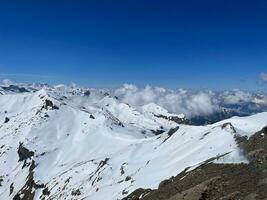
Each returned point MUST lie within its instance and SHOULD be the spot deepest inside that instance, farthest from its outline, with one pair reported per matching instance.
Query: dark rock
(230, 125)
(49, 104)
(124, 192)
(11, 189)
(204, 135)
(175, 119)
(128, 178)
(46, 192)
(24, 153)
(173, 130)
(122, 170)
(158, 131)
(76, 192)
(92, 116)
(143, 131)
(27, 192)
(6, 120)
(87, 93)
(103, 163)
(1, 180)
(115, 120)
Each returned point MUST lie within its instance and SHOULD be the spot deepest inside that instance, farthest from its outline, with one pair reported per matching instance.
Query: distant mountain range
(69, 142)
(225, 104)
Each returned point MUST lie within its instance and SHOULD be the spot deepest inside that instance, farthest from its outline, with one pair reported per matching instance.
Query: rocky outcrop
(49, 104)
(174, 118)
(24, 153)
(27, 192)
(6, 120)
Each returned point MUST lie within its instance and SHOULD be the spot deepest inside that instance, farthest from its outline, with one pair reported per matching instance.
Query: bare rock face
(6, 120)
(87, 93)
(27, 192)
(175, 119)
(49, 104)
(173, 130)
(24, 153)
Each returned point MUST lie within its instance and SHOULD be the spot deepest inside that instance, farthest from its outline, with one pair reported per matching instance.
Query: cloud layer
(191, 103)
(263, 77)
(180, 101)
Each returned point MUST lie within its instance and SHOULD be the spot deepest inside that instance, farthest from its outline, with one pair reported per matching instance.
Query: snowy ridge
(63, 144)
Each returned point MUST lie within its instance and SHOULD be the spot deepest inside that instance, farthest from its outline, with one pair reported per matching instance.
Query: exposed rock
(175, 119)
(122, 170)
(106, 94)
(11, 189)
(114, 120)
(24, 153)
(173, 130)
(128, 178)
(87, 93)
(230, 126)
(124, 192)
(92, 116)
(1, 180)
(158, 131)
(76, 192)
(204, 135)
(49, 104)
(27, 192)
(46, 192)
(103, 163)
(6, 120)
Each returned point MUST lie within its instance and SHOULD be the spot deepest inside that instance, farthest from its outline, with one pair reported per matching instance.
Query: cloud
(180, 101)
(192, 103)
(236, 96)
(7, 82)
(263, 77)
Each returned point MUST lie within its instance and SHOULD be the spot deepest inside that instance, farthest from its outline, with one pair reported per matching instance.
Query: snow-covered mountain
(75, 143)
(200, 107)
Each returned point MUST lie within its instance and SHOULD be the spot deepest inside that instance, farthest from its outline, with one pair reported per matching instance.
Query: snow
(95, 155)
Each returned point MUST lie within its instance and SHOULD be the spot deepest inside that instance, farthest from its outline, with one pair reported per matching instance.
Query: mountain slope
(63, 145)
(218, 181)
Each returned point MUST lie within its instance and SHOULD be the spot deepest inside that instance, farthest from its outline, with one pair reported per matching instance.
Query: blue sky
(193, 44)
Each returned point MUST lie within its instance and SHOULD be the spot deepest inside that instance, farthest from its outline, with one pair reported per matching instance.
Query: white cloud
(180, 101)
(263, 77)
(236, 96)
(7, 82)
(188, 102)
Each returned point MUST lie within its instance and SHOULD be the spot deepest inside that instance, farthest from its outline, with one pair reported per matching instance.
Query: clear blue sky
(193, 44)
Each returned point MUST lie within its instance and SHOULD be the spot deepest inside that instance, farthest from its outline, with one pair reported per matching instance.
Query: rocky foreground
(218, 181)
